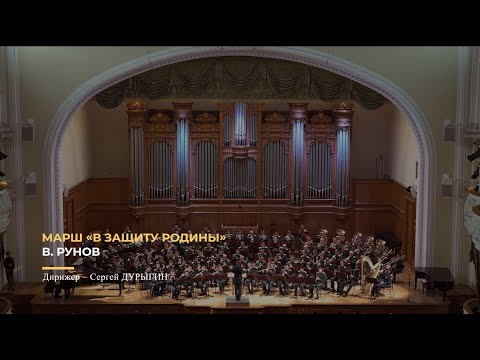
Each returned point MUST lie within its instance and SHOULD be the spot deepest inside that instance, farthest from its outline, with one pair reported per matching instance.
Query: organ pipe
(343, 114)
(239, 178)
(319, 170)
(137, 112)
(161, 176)
(205, 179)
(274, 174)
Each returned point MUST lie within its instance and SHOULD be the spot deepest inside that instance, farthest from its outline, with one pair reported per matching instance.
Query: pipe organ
(238, 159)
(206, 167)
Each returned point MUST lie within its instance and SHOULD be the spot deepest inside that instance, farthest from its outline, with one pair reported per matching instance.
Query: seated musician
(397, 266)
(322, 236)
(320, 282)
(276, 237)
(228, 235)
(212, 261)
(209, 249)
(224, 247)
(239, 236)
(267, 284)
(189, 274)
(261, 262)
(283, 254)
(289, 236)
(242, 246)
(204, 284)
(302, 274)
(351, 259)
(172, 285)
(176, 230)
(261, 252)
(251, 283)
(291, 261)
(251, 237)
(263, 246)
(350, 282)
(303, 230)
(200, 257)
(263, 237)
(225, 260)
(304, 258)
(189, 251)
(283, 285)
(219, 280)
(384, 280)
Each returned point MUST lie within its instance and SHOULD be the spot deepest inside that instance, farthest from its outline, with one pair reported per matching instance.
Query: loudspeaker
(30, 184)
(447, 186)
(28, 131)
(449, 131)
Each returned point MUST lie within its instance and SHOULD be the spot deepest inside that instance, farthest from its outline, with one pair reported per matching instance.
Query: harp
(368, 274)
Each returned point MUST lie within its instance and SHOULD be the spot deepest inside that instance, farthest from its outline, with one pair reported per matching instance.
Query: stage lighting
(3, 156)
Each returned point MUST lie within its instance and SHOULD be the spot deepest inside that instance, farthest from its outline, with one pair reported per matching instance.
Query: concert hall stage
(97, 299)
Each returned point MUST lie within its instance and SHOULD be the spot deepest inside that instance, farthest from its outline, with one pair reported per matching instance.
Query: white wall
(369, 140)
(402, 149)
(76, 150)
(110, 138)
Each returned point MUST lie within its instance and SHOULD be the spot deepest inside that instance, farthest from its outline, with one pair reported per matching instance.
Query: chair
(389, 287)
(49, 290)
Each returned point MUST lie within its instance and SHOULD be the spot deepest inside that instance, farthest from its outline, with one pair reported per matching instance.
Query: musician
(204, 283)
(176, 230)
(237, 280)
(225, 260)
(384, 280)
(397, 266)
(302, 274)
(262, 237)
(320, 282)
(239, 236)
(303, 233)
(224, 247)
(200, 257)
(189, 274)
(339, 273)
(219, 279)
(118, 269)
(289, 236)
(276, 237)
(267, 284)
(172, 286)
(261, 263)
(283, 284)
(242, 246)
(251, 283)
(209, 249)
(350, 282)
(228, 235)
(251, 237)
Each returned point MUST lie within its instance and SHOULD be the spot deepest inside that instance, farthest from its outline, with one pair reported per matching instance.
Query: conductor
(237, 280)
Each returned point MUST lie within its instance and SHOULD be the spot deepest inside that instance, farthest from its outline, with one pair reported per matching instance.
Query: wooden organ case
(239, 167)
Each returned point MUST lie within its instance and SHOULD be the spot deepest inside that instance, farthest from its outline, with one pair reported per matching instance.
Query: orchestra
(273, 263)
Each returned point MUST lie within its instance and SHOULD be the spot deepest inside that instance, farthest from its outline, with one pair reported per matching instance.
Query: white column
(467, 129)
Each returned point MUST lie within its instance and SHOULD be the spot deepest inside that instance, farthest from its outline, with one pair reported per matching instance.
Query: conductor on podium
(237, 280)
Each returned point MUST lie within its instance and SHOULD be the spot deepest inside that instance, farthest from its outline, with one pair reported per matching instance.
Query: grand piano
(438, 278)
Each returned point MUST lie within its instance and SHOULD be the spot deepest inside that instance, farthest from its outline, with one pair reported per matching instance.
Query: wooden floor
(105, 299)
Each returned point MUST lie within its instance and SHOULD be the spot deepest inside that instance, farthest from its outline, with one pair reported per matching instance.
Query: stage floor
(99, 299)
